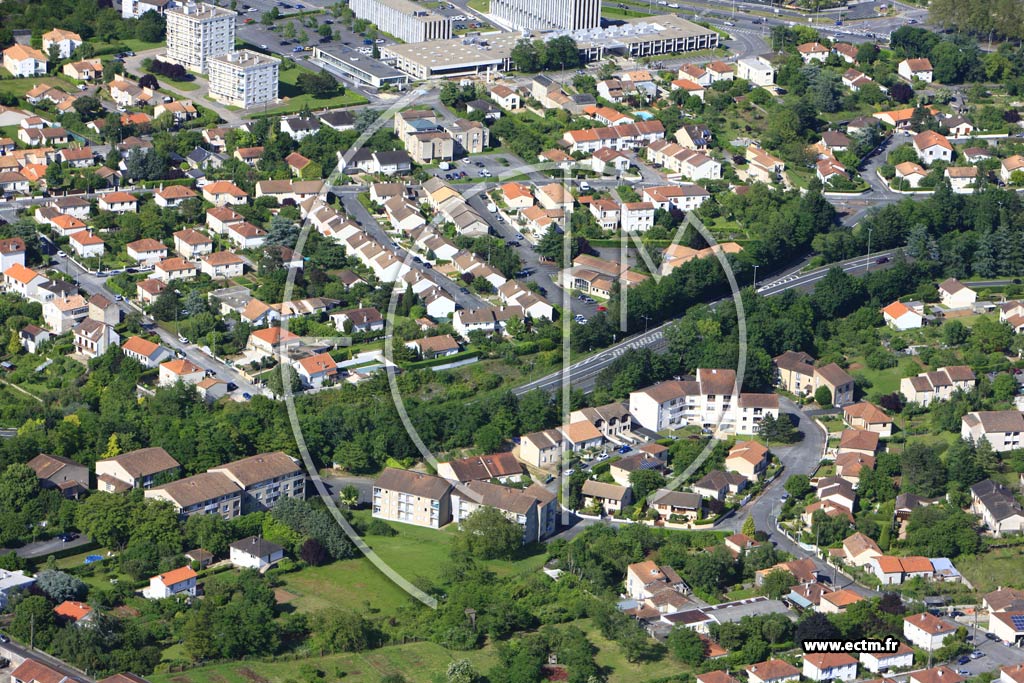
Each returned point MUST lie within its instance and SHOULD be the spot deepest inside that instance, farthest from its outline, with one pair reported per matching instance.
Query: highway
(583, 373)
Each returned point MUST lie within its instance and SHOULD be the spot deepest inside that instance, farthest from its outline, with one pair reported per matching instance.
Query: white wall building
(570, 15)
(244, 78)
(408, 21)
(197, 32)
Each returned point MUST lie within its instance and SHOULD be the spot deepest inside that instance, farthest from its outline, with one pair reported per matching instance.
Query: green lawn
(610, 655)
(483, 6)
(19, 86)
(416, 661)
(997, 567)
(415, 553)
(296, 100)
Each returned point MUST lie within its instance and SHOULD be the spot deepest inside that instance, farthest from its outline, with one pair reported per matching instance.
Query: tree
(525, 56)
(33, 619)
(281, 377)
(798, 486)
(462, 671)
(487, 534)
(318, 85)
(954, 333)
(686, 646)
(777, 583)
(150, 27)
(645, 482)
(349, 496)
(815, 626)
(823, 396)
(749, 527)
(312, 553)
(60, 586)
(18, 487)
(107, 517)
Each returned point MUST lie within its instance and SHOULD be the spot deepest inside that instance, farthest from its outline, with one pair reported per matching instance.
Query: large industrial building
(405, 20)
(547, 15)
(244, 78)
(646, 37)
(198, 31)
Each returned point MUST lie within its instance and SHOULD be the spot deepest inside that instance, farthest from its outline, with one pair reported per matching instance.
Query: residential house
(173, 195)
(300, 127)
(273, 341)
(62, 313)
(646, 579)
(997, 507)
(316, 370)
(519, 507)
(245, 235)
(865, 415)
(901, 317)
(66, 42)
(146, 251)
(265, 479)
(256, 553)
(622, 469)
(961, 178)
(86, 244)
(836, 602)
(541, 449)
(22, 61)
(222, 264)
(1008, 627)
(429, 348)
(677, 505)
(1001, 428)
(148, 354)
(939, 385)
(858, 550)
(955, 294)
(884, 662)
(207, 493)
(716, 485)
(829, 666)
(812, 52)
(92, 338)
(748, 458)
(762, 166)
(505, 97)
(772, 671)
(149, 289)
(32, 338)
(909, 174)
(180, 370)
(223, 192)
(358, 320)
(175, 268)
(412, 498)
(757, 70)
(926, 631)
(34, 671)
(12, 582)
(118, 202)
(919, 68)
(609, 498)
(829, 169)
(931, 146)
(1009, 166)
(181, 581)
(63, 474)
(75, 612)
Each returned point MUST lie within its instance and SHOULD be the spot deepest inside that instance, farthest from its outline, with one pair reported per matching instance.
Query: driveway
(46, 548)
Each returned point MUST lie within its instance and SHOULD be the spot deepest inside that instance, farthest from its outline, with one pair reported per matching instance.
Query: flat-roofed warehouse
(358, 67)
(644, 37)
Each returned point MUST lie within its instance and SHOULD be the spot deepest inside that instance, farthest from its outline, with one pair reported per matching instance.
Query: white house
(23, 61)
(222, 264)
(180, 370)
(637, 216)
(828, 666)
(255, 553)
(145, 352)
(955, 294)
(931, 146)
(86, 244)
(902, 317)
(926, 631)
(66, 42)
(181, 581)
(147, 251)
(919, 68)
(882, 662)
(756, 70)
(1001, 428)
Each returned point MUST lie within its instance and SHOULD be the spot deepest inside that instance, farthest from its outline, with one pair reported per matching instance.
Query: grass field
(997, 567)
(415, 553)
(483, 6)
(297, 100)
(19, 86)
(416, 661)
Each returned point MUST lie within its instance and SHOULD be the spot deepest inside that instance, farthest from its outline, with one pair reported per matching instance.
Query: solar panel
(1018, 621)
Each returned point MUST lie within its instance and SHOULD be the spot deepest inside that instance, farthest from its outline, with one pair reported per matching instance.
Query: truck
(444, 166)
(492, 207)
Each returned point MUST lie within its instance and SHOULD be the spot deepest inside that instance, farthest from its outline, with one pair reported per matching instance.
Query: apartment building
(244, 78)
(711, 401)
(1001, 428)
(265, 479)
(196, 32)
(516, 505)
(938, 385)
(412, 498)
(208, 493)
(562, 15)
(408, 21)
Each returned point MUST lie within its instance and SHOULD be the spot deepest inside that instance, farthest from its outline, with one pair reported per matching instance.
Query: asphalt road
(46, 548)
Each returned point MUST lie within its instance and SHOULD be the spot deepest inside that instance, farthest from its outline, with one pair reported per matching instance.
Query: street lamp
(755, 277)
(647, 320)
(867, 266)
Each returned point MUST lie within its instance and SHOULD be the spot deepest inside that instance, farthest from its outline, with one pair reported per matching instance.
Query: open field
(416, 661)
